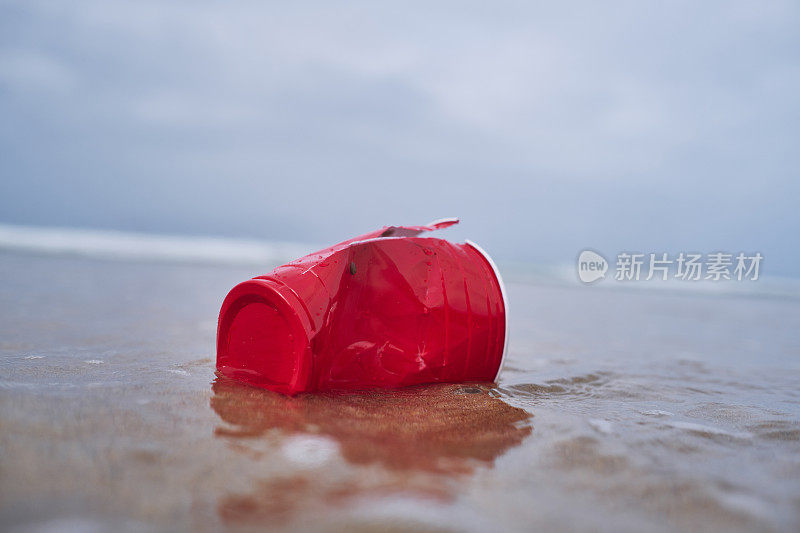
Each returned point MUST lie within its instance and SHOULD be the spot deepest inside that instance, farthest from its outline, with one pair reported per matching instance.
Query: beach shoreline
(617, 410)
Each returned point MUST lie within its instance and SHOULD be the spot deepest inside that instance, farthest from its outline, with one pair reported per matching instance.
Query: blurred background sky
(547, 127)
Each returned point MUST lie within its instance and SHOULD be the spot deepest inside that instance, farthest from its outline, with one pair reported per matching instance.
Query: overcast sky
(663, 127)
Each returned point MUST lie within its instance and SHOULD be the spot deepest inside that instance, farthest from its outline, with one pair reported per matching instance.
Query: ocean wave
(122, 245)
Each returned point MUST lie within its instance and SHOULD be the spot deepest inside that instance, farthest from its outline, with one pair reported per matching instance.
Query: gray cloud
(546, 128)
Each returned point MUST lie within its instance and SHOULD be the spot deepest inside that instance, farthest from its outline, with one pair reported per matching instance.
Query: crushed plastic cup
(384, 310)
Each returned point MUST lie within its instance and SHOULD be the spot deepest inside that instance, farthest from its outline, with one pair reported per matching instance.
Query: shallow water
(617, 410)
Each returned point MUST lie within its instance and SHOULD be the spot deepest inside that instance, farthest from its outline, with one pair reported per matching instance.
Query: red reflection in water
(423, 438)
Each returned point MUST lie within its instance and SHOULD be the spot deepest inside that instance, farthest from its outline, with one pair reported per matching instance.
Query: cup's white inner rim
(505, 302)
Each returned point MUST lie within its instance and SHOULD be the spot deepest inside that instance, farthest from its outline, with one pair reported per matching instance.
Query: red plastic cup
(384, 310)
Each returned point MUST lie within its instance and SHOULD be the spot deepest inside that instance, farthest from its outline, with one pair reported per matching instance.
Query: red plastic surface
(384, 310)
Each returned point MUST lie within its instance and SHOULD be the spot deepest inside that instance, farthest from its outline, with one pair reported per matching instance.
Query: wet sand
(618, 410)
